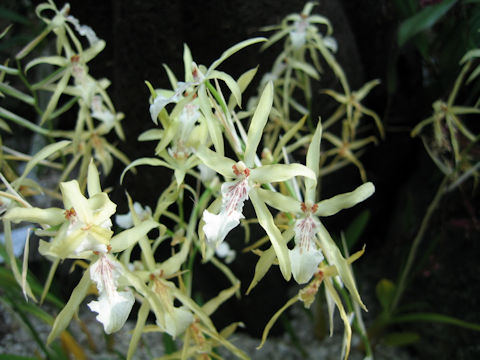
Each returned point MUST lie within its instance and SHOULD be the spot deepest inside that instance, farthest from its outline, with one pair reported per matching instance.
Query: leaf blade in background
(423, 20)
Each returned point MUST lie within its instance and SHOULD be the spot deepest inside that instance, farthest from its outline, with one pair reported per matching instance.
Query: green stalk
(190, 233)
(416, 242)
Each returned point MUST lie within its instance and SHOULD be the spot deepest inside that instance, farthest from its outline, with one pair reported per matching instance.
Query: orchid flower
(197, 79)
(83, 30)
(112, 306)
(126, 220)
(174, 320)
(83, 225)
(246, 181)
(300, 28)
(307, 255)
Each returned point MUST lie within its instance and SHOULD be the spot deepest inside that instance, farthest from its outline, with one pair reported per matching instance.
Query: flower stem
(416, 242)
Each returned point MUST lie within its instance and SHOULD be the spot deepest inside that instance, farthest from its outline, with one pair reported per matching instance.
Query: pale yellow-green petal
(50, 60)
(65, 316)
(55, 97)
(243, 81)
(274, 318)
(213, 124)
(231, 83)
(215, 161)
(279, 201)
(266, 221)
(187, 63)
(101, 208)
(39, 156)
(335, 257)
(51, 216)
(313, 163)
(72, 197)
(264, 263)
(259, 119)
(280, 172)
(305, 67)
(93, 180)
(337, 203)
(144, 161)
(93, 51)
(232, 50)
(287, 137)
(139, 326)
(346, 323)
(212, 305)
(174, 263)
(128, 238)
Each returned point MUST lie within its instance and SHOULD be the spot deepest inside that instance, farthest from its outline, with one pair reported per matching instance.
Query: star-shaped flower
(248, 175)
(309, 232)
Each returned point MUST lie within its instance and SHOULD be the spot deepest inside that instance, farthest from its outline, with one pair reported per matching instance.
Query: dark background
(142, 35)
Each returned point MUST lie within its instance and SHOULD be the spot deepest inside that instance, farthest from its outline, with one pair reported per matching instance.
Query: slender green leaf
(401, 338)
(433, 317)
(423, 20)
(385, 291)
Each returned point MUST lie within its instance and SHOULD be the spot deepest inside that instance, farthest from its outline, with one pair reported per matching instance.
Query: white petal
(304, 263)
(218, 226)
(206, 174)
(298, 39)
(89, 243)
(113, 307)
(84, 30)
(161, 101)
(157, 106)
(125, 221)
(189, 115)
(223, 250)
(113, 311)
(298, 35)
(331, 43)
(178, 322)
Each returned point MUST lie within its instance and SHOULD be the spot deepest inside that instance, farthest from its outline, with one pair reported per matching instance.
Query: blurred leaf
(168, 344)
(423, 20)
(9, 90)
(385, 290)
(406, 7)
(401, 338)
(4, 32)
(356, 228)
(13, 16)
(433, 317)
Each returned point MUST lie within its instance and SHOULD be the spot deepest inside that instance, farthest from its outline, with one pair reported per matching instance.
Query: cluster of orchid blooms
(195, 122)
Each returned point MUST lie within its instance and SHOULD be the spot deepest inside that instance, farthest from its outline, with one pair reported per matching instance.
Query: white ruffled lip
(112, 306)
(218, 226)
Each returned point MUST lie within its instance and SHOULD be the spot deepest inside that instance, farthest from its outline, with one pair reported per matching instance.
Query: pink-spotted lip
(305, 230)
